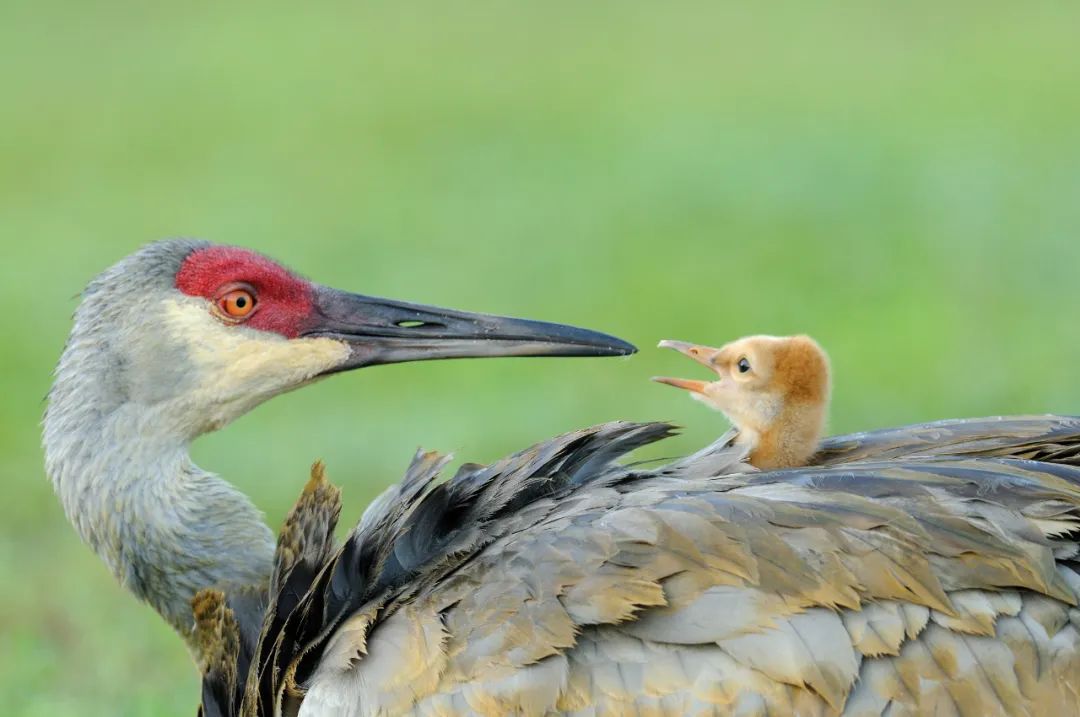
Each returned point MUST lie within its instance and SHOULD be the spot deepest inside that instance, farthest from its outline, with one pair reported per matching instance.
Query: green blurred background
(902, 181)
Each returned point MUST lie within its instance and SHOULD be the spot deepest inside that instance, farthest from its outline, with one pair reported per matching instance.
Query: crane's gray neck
(165, 528)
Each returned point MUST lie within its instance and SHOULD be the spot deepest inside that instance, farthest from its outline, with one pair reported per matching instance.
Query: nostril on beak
(416, 324)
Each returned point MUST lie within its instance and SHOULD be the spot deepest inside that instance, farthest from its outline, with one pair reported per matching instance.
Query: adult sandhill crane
(922, 570)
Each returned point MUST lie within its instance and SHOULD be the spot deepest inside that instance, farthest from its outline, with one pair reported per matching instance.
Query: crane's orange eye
(237, 304)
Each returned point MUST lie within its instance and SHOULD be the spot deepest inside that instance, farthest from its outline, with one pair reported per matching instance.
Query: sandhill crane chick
(773, 389)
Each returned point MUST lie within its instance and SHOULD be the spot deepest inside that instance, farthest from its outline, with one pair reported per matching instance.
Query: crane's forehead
(206, 270)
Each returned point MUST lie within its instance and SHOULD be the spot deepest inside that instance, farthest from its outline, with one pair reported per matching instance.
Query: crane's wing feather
(1046, 438)
(420, 530)
(903, 576)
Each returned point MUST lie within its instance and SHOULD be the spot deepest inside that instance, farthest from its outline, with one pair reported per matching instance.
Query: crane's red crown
(284, 301)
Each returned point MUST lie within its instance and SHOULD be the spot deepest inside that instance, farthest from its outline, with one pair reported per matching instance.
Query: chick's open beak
(704, 355)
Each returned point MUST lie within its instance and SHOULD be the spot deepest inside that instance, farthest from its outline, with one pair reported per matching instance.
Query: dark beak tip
(593, 349)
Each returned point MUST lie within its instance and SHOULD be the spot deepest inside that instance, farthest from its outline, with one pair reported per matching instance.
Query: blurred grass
(901, 181)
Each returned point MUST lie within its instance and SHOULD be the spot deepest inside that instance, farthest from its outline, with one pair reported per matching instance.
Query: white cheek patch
(240, 366)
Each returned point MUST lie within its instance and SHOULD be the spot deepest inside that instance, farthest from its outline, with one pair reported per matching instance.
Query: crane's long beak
(382, 331)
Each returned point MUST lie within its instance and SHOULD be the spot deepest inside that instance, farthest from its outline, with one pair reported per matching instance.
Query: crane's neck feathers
(165, 528)
(122, 412)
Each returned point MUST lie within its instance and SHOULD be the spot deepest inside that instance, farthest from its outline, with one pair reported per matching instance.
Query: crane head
(757, 377)
(215, 330)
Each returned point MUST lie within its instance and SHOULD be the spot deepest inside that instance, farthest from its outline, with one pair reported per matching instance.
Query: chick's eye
(743, 365)
(237, 304)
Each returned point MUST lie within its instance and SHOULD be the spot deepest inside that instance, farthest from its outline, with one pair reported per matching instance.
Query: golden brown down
(930, 583)
(773, 389)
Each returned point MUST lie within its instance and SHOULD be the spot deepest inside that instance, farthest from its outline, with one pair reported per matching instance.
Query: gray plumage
(923, 570)
(919, 584)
